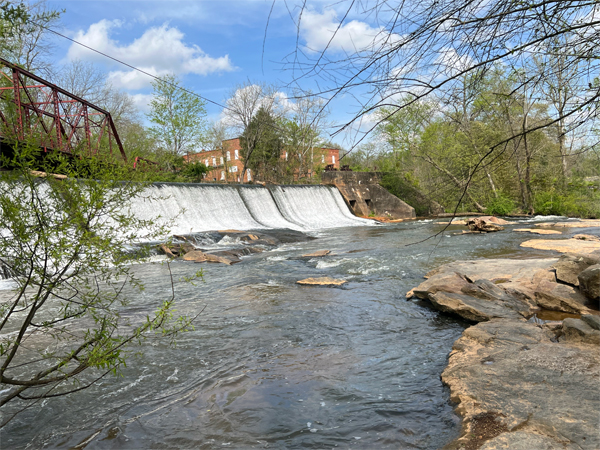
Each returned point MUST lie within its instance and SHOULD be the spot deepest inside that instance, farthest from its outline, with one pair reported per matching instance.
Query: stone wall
(365, 196)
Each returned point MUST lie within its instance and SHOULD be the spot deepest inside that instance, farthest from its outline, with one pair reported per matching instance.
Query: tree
(267, 145)
(24, 35)
(67, 323)
(243, 104)
(178, 117)
(422, 50)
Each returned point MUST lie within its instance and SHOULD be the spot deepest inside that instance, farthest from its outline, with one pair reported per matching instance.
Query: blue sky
(211, 45)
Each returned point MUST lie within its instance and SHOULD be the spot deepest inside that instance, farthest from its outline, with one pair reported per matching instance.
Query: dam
(192, 208)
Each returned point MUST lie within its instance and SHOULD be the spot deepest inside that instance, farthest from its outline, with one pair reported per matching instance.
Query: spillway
(193, 208)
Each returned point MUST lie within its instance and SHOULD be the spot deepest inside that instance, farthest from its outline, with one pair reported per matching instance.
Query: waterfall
(315, 207)
(203, 207)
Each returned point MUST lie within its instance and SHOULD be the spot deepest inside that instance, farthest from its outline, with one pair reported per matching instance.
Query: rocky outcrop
(519, 385)
(483, 290)
(578, 246)
(366, 197)
(589, 281)
(569, 266)
(584, 223)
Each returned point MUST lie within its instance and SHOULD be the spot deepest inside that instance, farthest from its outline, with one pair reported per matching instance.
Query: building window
(206, 162)
(214, 162)
(228, 156)
(286, 156)
(237, 154)
(233, 169)
(221, 160)
(249, 175)
(222, 174)
(332, 159)
(323, 159)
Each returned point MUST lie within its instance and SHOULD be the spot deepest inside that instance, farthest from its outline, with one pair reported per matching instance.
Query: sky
(212, 46)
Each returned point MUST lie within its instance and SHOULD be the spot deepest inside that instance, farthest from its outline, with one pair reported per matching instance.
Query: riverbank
(525, 375)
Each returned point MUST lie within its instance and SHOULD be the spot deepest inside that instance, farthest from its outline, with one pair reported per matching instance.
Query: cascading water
(315, 207)
(197, 208)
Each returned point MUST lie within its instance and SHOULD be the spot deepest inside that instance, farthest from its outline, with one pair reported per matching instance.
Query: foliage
(267, 145)
(178, 117)
(195, 171)
(501, 205)
(67, 323)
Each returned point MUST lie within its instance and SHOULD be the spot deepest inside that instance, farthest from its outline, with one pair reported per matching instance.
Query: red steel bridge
(35, 110)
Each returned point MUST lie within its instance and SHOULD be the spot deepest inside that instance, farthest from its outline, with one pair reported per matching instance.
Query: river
(272, 364)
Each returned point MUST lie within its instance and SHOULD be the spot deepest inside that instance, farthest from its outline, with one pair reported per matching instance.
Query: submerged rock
(534, 231)
(533, 391)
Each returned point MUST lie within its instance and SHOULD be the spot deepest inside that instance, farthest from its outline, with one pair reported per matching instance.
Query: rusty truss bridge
(34, 110)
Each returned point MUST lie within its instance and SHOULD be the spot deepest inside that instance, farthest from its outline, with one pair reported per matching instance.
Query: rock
(321, 281)
(499, 288)
(569, 266)
(496, 220)
(571, 224)
(470, 308)
(577, 330)
(195, 255)
(520, 440)
(483, 224)
(564, 245)
(317, 254)
(592, 320)
(224, 257)
(589, 282)
(167, 251)
(586, 237)
(531, 230)
(539, 393)
(560, 297)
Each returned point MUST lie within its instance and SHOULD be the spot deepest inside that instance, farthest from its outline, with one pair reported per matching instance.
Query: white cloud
(142, 101)
(318, 29)
(452, 63)
(159, 50)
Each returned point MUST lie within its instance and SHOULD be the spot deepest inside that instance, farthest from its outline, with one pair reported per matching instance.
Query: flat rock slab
(571, 224)
(321, 281)
(499, 288)
(317, 254)
(534, 231)
(564, 245)
(540, 393)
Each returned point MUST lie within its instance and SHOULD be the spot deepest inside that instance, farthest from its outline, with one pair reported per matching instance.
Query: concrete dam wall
(204, 207)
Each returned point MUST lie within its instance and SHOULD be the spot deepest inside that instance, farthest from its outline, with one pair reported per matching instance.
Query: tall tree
(267, 145)
(177, 117)
(24, 36)
(243, 104)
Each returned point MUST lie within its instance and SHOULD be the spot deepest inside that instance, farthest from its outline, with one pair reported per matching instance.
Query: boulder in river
(317, 254)
(519, 387)
(195, 255)
(321, 281)
(483, 224)
(589, 281)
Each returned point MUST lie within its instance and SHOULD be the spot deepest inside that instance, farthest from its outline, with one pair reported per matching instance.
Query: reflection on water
(278, 365)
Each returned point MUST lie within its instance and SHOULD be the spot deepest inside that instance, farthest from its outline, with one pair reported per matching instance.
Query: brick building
(227, 164)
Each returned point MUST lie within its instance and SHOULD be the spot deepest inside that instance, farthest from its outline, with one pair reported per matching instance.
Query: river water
(272, 364)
